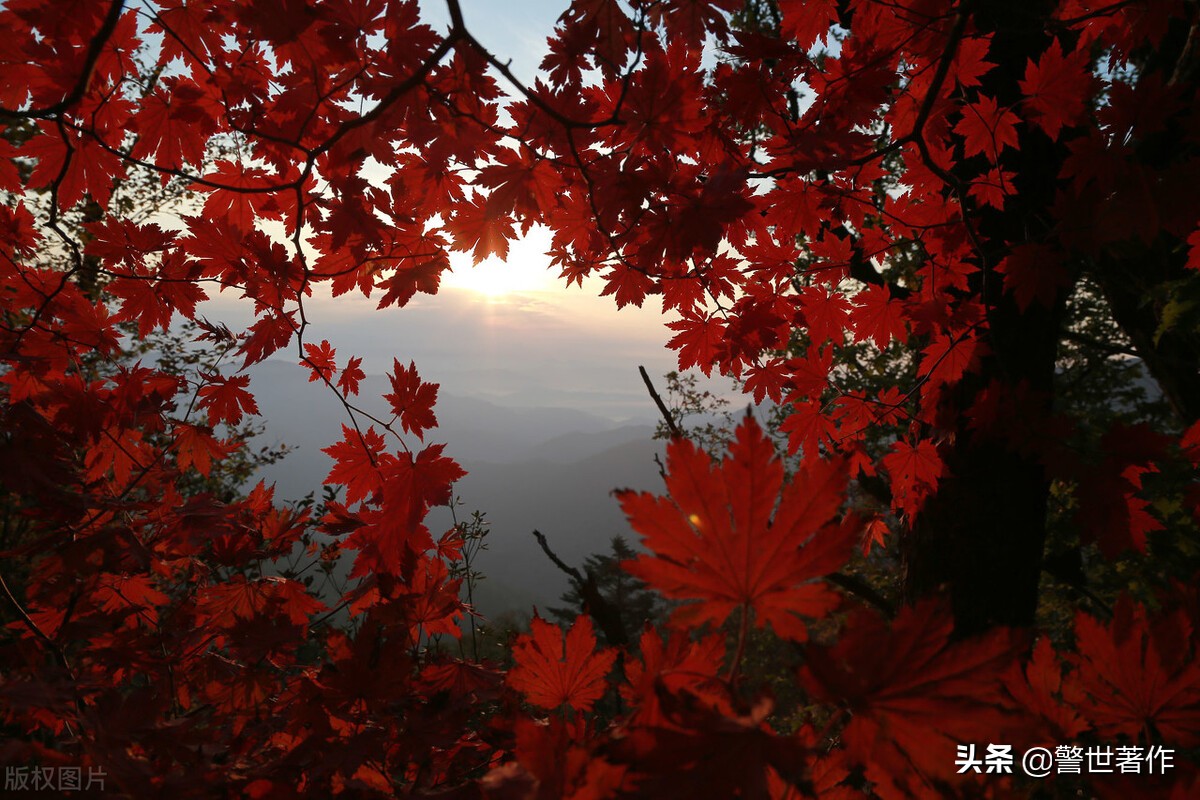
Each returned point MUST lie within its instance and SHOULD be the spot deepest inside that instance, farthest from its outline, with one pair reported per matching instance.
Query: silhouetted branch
(606, 615)
(662, 407)
(859, 587)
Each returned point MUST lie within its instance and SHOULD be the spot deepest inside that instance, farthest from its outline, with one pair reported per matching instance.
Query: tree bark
(980, 538)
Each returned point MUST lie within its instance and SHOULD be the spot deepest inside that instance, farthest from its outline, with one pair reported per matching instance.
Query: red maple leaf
(806, 21)
(1039, 690)
(877, 317)
(1057, 89)
(226, 398)
(319, 358)
(477, 228)
(357, 459)
(552, 671)
(412, 400)
(699, 340)
(676, 664)
(991, 188)
(196, 446)
(987, 129)
(908, 711)
(1033, 273)
(191, 30)
(242, 196)
(915, 470)
(1140, 675)
(825, 315)
(732, 535)
(1193, 259)
(351, 376)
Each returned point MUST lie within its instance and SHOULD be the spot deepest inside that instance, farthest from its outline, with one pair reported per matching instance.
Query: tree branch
(606, 615)
(85, 76)
(662, 407)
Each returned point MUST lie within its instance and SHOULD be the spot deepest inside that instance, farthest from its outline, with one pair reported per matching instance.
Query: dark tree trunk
(980, 538)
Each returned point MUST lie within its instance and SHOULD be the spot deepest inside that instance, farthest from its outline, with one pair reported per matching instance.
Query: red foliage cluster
(906, 198)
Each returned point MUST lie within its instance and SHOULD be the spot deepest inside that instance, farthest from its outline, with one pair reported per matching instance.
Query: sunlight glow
(527, 269)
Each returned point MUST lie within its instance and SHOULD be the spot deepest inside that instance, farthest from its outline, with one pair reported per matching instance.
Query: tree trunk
(981, 537)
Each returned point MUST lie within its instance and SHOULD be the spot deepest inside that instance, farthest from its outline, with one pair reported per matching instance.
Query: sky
(507, 331)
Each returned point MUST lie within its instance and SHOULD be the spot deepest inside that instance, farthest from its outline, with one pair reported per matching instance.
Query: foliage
(632, 603)
(890, 235)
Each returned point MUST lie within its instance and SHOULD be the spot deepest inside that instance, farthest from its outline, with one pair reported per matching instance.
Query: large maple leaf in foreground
(913, 693)
(731, 535)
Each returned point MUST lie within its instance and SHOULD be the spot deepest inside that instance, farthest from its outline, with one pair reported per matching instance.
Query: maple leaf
(319, 358)
(699, 339)
(484, 231)
(1033, 273)
(1110, 512)
(556, 759)
(908, 712)
(915, 470)
(606, 31)
(992, 188)
(1189, 443)
(552, 670)
(357, 459)
(1193, 259)
(226, 398)
(272, 332)
(174, 125)
(1139, 674)
(874, 535)
(877, 317)
(73, 166)
(701, 751)
(191, 30)
(134, 597)
(1057, 88)
(825, 315)
(351, 376)
(807, 428)
(1039, 689)
(731, 535)
(242, 197)
(627, 286)
(987, 129)
(947, 358)
(675, 664)
(809, 376)
(806, 21)
(411, 399)
(197, 447)
(405, 487)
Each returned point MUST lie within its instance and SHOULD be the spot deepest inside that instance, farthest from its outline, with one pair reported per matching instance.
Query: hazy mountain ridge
(551, 469)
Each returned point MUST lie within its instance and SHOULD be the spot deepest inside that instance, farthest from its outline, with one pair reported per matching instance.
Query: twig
(858, 586)
(606, 615)
(662, 407)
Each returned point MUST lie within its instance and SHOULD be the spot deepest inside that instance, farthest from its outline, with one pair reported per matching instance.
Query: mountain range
(550, 468)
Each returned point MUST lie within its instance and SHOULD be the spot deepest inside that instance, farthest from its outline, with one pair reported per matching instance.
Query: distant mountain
(576, 445)
(571, 503)
(548, 468)
(308, 417)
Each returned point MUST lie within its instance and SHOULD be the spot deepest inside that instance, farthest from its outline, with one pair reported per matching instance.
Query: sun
(492, 279)
(527, 269)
